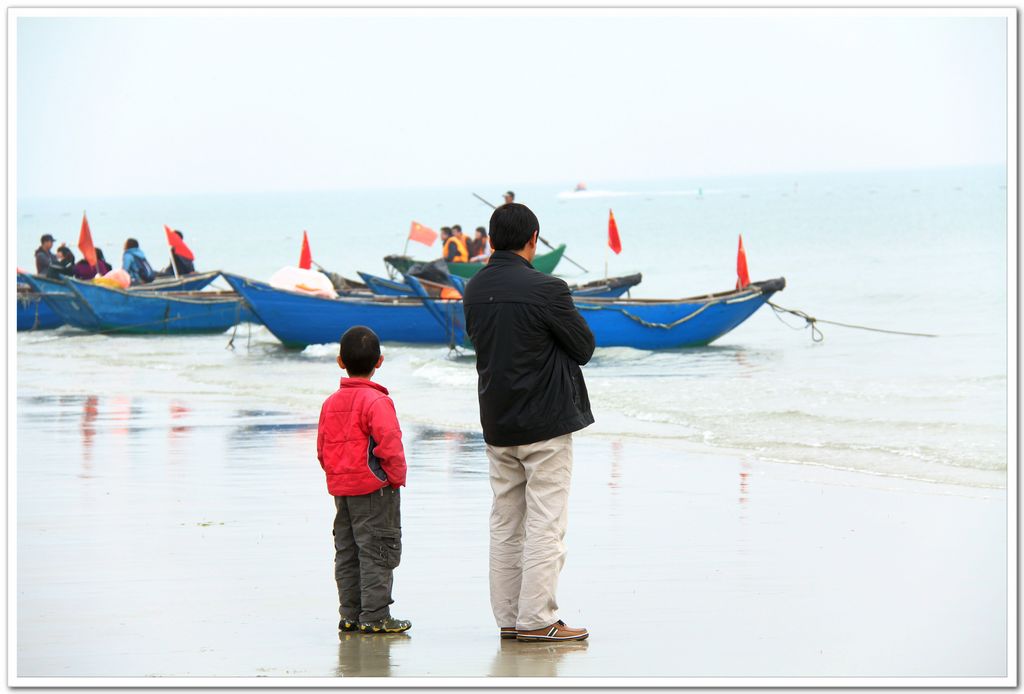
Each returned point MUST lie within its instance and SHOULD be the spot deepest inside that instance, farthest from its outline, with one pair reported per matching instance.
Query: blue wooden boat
(298, 319)
(106, 309)
(33, 312)
(74, 310)
(672, 323)
(604, 288)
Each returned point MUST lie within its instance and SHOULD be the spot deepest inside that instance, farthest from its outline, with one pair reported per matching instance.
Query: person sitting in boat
(454, 247)
(183, 265)
(85, 271)
(65, 265)
(135, 263)
(509, 197)
(44, 256)
(479, 248)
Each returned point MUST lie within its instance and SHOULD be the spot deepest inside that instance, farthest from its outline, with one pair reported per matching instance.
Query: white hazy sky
(168, 104)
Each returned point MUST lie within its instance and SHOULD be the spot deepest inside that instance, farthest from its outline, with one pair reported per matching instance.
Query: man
(44, 257)
(530, 343)
(509, 197)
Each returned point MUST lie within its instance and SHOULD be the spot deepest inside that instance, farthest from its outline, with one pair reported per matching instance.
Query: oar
(543, 240)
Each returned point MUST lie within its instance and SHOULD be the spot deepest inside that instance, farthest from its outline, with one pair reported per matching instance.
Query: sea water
(919, 251)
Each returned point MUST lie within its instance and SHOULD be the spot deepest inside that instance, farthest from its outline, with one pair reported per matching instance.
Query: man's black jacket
(530, 342)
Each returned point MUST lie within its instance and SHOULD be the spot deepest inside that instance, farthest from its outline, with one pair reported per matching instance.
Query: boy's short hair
(512, 225)
(131, 243)
(359, 350)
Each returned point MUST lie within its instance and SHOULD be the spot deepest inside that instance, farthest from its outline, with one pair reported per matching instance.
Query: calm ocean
(915, 251)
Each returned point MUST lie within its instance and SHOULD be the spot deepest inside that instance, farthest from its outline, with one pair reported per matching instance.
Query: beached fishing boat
(298, 319)
(609, 287)
(544, 262)
(74, 310)
(672, 323)
(95, 307)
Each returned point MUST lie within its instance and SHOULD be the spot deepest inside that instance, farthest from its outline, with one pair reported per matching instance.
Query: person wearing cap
(44, 257)
(509, 197)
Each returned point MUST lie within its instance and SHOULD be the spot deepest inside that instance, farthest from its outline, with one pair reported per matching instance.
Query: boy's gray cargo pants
(367, 548)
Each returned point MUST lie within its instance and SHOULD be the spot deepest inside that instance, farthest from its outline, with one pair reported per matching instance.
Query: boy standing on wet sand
(359, 444)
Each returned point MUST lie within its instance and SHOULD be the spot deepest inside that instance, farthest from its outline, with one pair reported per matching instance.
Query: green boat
(545, 262)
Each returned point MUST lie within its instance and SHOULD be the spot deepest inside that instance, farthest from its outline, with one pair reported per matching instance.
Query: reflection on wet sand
(462, 453)
(516, 659)
(368, 655)
(178, 412)
(90, 410)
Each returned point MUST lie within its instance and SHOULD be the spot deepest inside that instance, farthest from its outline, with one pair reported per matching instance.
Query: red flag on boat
(178, 244)
(422, 234)
(613, 234)
(743, 277)
(85, 242)
(305, 257)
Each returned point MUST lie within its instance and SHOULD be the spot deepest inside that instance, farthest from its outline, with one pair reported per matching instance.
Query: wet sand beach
(171, 524)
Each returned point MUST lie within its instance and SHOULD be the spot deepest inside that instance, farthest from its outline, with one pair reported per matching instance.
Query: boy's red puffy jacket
(359, 442)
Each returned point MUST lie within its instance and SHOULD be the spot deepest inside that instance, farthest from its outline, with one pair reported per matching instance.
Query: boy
(359, 444)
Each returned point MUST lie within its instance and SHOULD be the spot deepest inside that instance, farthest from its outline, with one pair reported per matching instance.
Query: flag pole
(174, 266)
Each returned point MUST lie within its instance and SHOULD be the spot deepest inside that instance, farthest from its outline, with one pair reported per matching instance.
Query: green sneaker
(348, 625)
(388, 625)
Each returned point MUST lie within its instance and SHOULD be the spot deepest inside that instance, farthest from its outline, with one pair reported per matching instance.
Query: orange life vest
(461, 253)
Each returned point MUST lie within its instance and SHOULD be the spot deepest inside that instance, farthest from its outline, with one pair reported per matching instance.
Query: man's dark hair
(482, 230)
(512, 225)
(131, 243)
(65, 252)
(44, 238)
(446, 232)
(456, 227)
(360, 350)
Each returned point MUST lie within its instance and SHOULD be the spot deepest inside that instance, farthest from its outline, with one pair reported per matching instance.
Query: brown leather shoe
(507, 632)
(556, 632)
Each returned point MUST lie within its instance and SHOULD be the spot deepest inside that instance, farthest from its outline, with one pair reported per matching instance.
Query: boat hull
(670, 325)
(163, 312)
(299, 319)
(36, 314)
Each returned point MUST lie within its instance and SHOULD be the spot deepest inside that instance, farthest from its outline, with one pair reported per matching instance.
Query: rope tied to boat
(647, 323)
(816, 334)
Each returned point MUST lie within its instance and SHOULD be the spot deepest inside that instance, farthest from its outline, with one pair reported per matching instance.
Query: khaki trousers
(528, 521)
